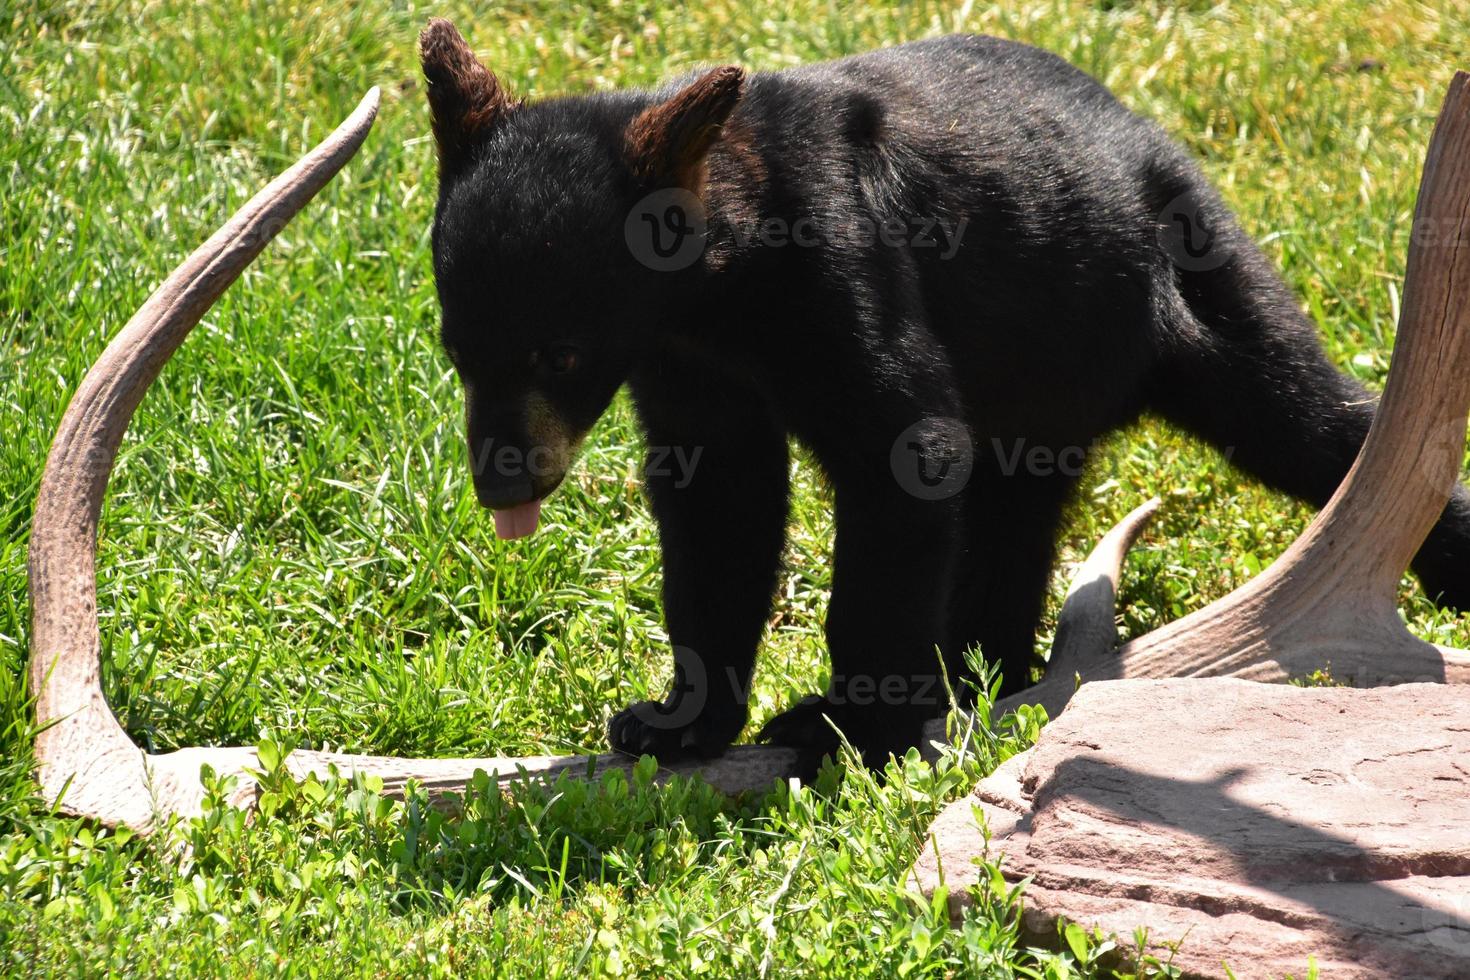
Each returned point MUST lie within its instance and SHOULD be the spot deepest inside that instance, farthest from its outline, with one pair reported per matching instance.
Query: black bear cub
(945, 268)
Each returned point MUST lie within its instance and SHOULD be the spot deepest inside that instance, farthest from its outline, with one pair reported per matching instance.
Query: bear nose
(499, 490)
(500, 474)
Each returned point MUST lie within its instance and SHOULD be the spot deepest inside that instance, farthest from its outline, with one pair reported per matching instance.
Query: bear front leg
(893, 560)
(718, 486)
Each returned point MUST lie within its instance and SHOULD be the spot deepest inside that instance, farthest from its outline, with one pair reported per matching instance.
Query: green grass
(290, 553)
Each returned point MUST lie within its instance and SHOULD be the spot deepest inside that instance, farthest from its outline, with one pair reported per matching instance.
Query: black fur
(1065, 312)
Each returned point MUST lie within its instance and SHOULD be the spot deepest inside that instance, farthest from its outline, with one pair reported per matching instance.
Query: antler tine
(1087, 625)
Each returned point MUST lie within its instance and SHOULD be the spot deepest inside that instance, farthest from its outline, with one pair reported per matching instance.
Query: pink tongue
(517, 521)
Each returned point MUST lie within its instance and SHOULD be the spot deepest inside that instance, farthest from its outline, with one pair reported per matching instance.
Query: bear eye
(562, 360)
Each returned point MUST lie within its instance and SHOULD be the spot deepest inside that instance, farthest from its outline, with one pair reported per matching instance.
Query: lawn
(291, 553)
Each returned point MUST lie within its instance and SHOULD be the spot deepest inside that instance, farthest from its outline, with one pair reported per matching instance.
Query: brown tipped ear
(668, 142)
(465, 99)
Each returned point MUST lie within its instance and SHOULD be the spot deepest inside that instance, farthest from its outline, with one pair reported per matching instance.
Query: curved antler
(83, 756)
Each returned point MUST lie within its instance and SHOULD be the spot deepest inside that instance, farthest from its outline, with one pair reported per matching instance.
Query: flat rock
(1255, 825)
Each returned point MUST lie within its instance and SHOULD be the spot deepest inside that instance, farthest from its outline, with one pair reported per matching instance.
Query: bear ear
(465, 99)
(667, 143)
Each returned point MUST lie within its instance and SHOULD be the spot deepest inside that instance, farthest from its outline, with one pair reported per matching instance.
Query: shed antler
(83, 756)
(1330, 599)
